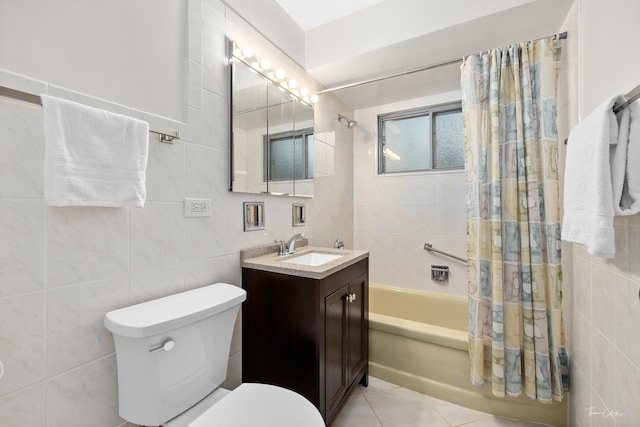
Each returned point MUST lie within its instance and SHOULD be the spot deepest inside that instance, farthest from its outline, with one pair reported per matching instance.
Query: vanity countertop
(266, 258)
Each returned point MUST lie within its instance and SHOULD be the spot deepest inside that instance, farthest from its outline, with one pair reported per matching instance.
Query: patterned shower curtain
(516, 338)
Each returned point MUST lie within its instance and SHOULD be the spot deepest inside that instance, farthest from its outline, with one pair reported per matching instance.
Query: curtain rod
(35, 99)
(560, 36)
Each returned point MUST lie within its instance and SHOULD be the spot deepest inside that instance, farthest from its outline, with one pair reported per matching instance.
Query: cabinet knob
(350, 297)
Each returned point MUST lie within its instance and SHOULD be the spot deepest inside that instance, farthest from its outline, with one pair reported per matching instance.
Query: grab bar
(429, 248)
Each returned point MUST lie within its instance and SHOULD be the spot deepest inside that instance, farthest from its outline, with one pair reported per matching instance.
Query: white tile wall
(395, 215)
(75, 329)
(25, 407)
(62, 269)
(85, 244)
(24, 245)
(22, 132)
(601, 297)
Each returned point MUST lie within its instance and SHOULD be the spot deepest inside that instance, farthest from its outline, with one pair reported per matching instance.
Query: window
(288, 156)
(421, 139)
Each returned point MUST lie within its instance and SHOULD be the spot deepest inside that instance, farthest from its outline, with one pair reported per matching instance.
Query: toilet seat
(253, 404)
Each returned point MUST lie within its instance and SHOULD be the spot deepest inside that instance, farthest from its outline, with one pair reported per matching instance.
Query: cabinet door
(335, 347)
(357, 333)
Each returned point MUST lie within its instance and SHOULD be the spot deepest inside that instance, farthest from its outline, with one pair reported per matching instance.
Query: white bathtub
(419, 340)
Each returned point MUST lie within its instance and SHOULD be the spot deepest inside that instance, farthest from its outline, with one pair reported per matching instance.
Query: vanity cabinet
(308, 335)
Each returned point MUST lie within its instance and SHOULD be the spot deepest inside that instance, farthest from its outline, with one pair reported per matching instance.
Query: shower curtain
(516, 336)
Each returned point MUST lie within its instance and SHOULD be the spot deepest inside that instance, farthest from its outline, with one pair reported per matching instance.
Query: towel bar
(631, 97)
(35, 99)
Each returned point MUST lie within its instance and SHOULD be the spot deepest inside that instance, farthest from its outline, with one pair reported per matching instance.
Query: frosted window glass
(282, 160)
(287, 158)
(406, 146)
(448, 140)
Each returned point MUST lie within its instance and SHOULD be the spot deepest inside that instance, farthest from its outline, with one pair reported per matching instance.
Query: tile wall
(600, 297)
(62, 269)
(396, 214)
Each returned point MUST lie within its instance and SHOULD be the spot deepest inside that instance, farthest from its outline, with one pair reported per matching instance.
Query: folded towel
(588, 196)
(625, 164)
(93, 157)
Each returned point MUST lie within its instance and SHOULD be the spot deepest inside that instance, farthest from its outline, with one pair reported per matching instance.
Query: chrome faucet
(291, 245)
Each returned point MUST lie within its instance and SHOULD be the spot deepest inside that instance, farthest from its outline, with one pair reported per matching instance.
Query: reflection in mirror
(298, 215)
(272, 138)
(279, 155)
(249, 112)
(253, 216)
(303, 149)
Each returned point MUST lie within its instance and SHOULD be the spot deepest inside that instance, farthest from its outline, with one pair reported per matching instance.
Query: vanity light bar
(246, 55)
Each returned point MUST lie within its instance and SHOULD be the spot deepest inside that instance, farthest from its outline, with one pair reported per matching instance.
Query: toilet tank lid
(171, 312)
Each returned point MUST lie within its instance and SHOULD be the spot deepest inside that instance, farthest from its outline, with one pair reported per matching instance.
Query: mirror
(272, 137)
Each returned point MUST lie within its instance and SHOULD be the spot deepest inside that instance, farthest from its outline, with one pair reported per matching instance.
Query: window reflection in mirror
(272, 138)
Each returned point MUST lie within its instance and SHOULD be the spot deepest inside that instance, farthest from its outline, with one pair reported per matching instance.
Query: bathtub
(419, 340)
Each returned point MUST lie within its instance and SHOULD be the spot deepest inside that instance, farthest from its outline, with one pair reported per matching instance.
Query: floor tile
(376, 385)
(455, 415)
(357, 412)
(383, 404)
(401, 407)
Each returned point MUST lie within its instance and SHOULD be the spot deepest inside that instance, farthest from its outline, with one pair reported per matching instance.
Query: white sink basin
(313, 259)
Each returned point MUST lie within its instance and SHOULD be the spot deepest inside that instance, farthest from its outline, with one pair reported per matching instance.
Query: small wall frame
(298, 214)
(253, 216)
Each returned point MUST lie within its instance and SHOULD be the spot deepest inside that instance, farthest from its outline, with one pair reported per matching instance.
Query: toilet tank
(156, 383)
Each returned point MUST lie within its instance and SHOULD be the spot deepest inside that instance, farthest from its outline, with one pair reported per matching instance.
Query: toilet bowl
(252, 405)
(172, 355)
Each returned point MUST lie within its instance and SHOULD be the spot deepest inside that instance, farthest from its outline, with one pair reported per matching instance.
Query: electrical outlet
(197, 207)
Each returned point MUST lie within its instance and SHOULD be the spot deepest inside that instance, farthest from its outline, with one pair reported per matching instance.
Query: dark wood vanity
(306, 334)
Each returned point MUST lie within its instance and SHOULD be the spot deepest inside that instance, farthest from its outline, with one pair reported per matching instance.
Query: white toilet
(172, 356)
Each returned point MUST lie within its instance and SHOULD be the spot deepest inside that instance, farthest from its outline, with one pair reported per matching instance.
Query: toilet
(172, 356)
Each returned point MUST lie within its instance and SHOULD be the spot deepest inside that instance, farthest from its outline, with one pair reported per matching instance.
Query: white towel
(93, 157)
(625, 164)
(588, 195)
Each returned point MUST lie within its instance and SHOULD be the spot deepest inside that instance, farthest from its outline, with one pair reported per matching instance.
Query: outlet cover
(197, 207)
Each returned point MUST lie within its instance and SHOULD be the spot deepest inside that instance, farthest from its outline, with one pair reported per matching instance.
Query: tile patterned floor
(383, 404)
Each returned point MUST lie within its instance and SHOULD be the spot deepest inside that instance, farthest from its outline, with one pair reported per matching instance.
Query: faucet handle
(282, 250)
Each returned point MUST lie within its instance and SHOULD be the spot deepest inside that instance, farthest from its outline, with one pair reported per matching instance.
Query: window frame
(267, 158)
(431, 112)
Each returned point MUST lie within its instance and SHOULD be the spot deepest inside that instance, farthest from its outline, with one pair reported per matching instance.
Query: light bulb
(255, 65)
(265, 64)
(306, 99)
(247, 51)
(296, 92)
(293, 83)
(270, 75)
(304, 91)
(280, 74)
(284, 85)
(237, 52)
(314, 98)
